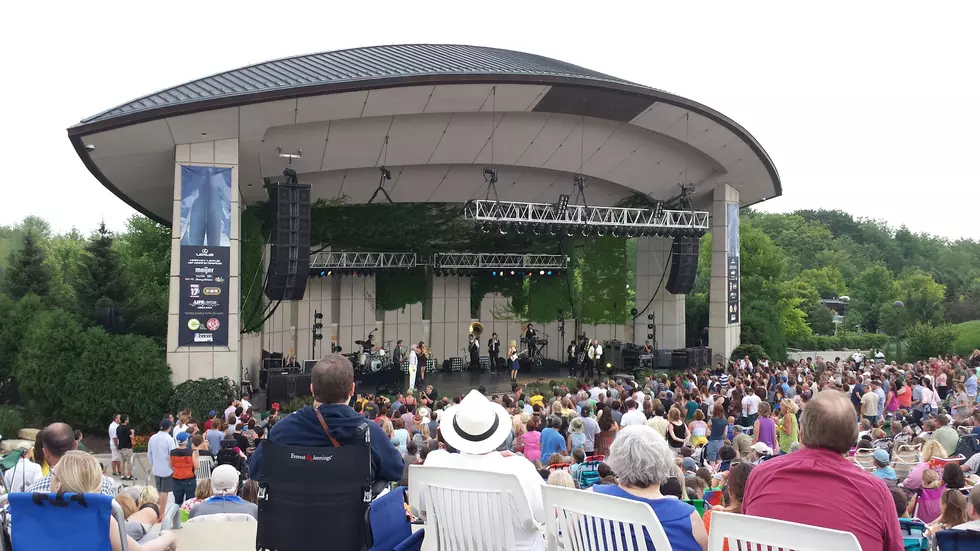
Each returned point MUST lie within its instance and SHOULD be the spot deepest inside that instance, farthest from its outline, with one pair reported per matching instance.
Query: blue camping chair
(390, 527)
(957, 540)
(81, 521)
(912, 530)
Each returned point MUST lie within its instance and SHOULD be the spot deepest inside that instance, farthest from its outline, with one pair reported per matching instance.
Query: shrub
(296, 404)
(83, 377)
(203, 395)
(861, 341)
(11, 422)
(753, 351)
(924, 340)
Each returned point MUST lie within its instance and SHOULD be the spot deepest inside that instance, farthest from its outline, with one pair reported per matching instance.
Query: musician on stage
(571, 359)
(368, 344)
(647, 348)
(398, 354)
(493, 347)
(582, 355)
(474, 349)
(424, 355)
(531, 336)
(413, 366)
(595, 357)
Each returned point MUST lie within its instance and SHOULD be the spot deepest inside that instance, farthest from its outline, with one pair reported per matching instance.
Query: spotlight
(512, 272)
(542, 272)
(323, 274)
(650, 336)
(494, 274)
(520, 229)
(330, 273)
(608, 365)
(650, 316)
(502, 229)
(649, 326)
(633, 310)
(600, 231)
(549, 272)
(551, 230)
(536, 229)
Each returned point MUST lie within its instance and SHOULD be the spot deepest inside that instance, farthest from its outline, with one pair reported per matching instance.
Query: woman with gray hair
(642, 462)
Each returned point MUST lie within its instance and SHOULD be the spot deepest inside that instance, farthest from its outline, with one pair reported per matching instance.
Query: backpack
(968, 445)
(588, 475)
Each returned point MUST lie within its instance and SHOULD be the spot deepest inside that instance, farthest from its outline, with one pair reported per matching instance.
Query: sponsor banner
(204, 256)
(734, 293)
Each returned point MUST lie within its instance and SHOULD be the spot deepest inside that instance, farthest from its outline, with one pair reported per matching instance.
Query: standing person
(214, 436)
(531, 336)
(158, 455)
(764, 429)
(124, 437)
(632, 416)
(515, 366)
(398, 355)
(424, 354)
(413, 366)
(869, 406)
(716, 432)
(114, 447)
(750, 407)
(474, 349)
(493, 348)
(591, 430)
(789, 429)
(184, 462)
(827, 432)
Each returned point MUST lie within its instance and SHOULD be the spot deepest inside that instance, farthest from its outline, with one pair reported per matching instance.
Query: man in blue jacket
(333, 386)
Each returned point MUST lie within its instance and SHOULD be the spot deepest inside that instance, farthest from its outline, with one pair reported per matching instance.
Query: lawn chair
(560, 467)
(865, 458)
(902, 469)
(204, 466)
(908, 453)
(587, 521)
(912, 534)
(390, 527)
(957, 540)
(748, 532)
(82, 521)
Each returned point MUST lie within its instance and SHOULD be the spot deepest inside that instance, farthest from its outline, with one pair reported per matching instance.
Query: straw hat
(476, 425)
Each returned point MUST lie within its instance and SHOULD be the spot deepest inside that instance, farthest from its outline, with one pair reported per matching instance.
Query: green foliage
(923, 297)
(202, 396)
(101, 282)
(296, 404)
(850, 341)
(11, 421)
(545, 296)
(83, 376)
(873, 289)
(144, 255)
(547, 389)
(482, 284)
(605, 277)
(396, 289)
(753, 351)
(253, 239)
(968, 337)
(923, 340)
(26, 272)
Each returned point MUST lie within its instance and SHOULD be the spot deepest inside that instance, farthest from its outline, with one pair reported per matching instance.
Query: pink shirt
(532, 445)
(821, 488)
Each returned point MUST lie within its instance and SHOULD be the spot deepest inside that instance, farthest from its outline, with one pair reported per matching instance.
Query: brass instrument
(476, 329)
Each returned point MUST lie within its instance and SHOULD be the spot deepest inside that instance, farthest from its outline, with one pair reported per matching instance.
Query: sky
(868, 107)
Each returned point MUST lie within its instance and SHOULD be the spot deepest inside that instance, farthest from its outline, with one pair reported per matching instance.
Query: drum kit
(376, 360)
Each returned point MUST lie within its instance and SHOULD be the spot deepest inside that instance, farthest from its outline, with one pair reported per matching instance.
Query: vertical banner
(205, 251)
(733, 268)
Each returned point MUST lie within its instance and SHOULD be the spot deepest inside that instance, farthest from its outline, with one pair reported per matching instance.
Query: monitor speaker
(683, 265)
(289, 259)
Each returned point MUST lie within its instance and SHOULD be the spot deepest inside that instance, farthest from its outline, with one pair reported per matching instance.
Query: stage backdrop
(205, 239)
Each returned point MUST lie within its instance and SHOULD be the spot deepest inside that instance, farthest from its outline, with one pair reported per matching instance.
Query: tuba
(476, 329)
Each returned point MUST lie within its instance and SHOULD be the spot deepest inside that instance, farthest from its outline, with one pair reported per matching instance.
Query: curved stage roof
(435, 115)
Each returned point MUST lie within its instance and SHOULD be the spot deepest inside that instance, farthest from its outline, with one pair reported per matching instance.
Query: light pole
(898, 306)
(845, 300)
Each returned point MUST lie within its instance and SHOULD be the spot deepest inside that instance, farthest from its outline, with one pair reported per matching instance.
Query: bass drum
(376, 365)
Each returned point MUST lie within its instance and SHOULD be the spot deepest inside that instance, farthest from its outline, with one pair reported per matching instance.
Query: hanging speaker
(683, 265)
(289, 258)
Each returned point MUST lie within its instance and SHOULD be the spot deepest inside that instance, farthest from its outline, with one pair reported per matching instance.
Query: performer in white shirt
(413, 366)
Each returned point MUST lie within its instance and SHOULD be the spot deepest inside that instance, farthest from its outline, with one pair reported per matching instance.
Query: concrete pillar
(652, 258)
(194, 362)
(725, 308)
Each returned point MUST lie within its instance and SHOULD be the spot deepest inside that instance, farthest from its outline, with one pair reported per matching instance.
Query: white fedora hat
(475, 425)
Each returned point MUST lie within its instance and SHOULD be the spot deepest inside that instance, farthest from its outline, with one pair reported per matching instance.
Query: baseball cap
(182, 438)
(759, 447)
(881, 456)
(164, 424)
(212, 413)
(224, 479)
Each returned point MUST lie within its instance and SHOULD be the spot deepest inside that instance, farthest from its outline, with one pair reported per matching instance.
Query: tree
(923, 340)
(827, 281)
(101, 282)
(874, 288)
(923, 297)
(27, 273)
(144, 255)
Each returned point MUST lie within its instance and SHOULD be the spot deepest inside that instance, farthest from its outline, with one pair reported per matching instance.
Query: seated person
(476, 428)
(643, 461)
(883, 468)
(224, 485)
(202, 492)
(901, 502)
(332, 384)
(79, 472)
(973, 511)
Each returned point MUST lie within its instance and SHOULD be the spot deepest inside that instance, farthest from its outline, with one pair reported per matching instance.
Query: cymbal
(359, 343)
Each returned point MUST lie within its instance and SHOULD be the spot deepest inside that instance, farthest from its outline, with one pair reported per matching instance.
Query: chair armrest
(413, 542)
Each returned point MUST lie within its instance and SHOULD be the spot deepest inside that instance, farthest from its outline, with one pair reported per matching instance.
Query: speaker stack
(683, 265)
(285, 387)
(289, 260)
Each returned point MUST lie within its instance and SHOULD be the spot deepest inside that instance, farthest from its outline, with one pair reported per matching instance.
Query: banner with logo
(733, 267)
(205, 252)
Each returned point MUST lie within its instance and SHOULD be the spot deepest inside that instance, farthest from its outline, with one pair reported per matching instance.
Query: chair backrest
(902, 469)
(912, 537)
(747, 532)
(865, 458)
(204, 465)
(466, 509)
(210, 532)
(306, 492)
(587, 521)
(560, 467)
(957, 540)
(588, 474)
(389, 525)
(82, 521)
(171, 517)
(927, 504)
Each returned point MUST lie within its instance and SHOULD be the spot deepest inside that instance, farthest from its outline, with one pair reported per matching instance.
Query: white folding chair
(908, 453)
(204, 465)
(587, 521)
(466, 509)
(211, 532)
(757, 533)
(902, 468)
(865, 458)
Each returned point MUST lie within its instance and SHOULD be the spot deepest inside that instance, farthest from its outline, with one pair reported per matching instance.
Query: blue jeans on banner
(184, 489)
(711, 451)
(207, 213)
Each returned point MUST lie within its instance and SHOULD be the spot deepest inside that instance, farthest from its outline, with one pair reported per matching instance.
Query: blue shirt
(885, 473)
(302, 428)
(158, 453)
(971, 385)
(551, 443)
(674, 516)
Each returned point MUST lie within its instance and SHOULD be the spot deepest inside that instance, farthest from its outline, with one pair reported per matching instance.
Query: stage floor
(458, 382)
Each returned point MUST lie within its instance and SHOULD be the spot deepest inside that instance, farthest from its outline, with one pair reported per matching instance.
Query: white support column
(205, 361)
(450, 319)
(652, 266)
(724, 317)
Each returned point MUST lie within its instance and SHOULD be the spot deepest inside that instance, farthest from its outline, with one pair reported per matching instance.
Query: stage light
(650, 336)
(329, 273)
(323, 273)
(608, 365)
(542, 272)
(649, 326)
(512, 272)
(494, 274)
(549, 272)
(650, 316)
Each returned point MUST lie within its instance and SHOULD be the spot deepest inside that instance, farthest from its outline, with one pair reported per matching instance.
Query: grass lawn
(969, 338)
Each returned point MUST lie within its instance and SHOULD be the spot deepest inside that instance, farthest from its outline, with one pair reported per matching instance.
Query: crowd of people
(742, 438)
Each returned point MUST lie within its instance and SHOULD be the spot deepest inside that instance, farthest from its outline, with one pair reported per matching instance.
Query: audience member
(224, 485)
(736, 480)
(57, 439)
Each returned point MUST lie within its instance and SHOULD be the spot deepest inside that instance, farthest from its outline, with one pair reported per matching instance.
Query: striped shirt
(723, 380)
(43, 485)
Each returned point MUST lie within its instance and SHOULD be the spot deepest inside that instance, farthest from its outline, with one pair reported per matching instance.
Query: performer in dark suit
(531, 336)
(493, 347)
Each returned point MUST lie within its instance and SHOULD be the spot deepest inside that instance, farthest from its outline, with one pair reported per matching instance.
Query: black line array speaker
(286, 387)
(289, 260)
(683, 265)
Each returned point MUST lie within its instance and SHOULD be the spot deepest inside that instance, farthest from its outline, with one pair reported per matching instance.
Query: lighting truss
(490, 261)
(550, 217)
(362, 261)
